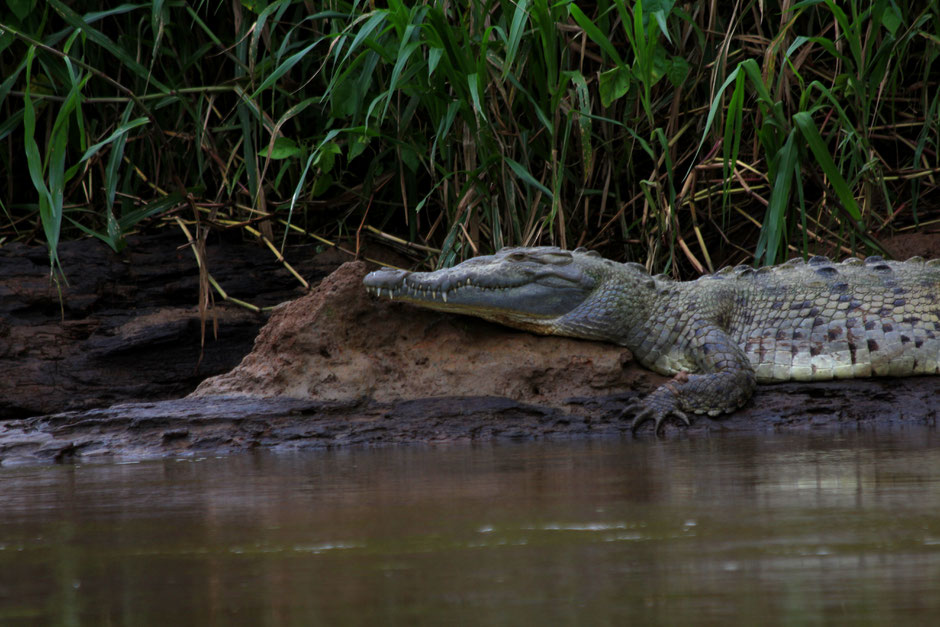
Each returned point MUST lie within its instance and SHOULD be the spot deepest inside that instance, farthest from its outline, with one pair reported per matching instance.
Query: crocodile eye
(517, 257)
(560, 258)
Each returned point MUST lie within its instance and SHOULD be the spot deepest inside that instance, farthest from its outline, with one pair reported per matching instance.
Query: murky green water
(772, 530)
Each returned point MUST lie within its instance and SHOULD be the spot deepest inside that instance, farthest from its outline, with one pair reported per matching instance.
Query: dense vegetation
(685, 134)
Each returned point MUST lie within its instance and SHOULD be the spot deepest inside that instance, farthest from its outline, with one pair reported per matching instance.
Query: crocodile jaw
(532, 299)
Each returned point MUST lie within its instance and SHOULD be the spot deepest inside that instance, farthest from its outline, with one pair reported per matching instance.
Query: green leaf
(434, 57)
(284, 148)
(10, 124)
(775, 217)
(130, 219)
(327, 156)
(660, 11)
(584, 122)
(891, 19)
(297, 191)
(51, 222)
(345, 99)
(753, 72)
(823, 42)
(409, 158)
(255, 6)
(372, 21)
(111, 176)
(516, 30)
(321, 184)
(77, 22)
(356, 147)
(677, 70)
(660, 65)
(283, 69)
(731, 144)
(804, 121)
(121, 130)
(21, 8)
(712, 110)
(596, 35)
(473, 83)
(614, 84)
(9, 81)
(524, 174)
(404, 52)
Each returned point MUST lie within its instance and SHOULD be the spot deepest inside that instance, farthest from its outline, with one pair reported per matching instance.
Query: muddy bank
(126, 326)
(338, 368)
(338, 343)
(213, 425)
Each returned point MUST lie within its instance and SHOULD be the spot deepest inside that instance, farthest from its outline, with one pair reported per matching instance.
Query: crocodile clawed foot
(642, 413)
(658, 406)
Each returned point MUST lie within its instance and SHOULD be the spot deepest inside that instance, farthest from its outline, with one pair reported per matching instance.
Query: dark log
(213, 425)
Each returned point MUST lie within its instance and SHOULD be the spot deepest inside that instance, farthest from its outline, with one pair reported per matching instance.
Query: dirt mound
(338, 343)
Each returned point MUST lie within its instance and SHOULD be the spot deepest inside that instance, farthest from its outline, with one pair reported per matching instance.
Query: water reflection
(769, 529)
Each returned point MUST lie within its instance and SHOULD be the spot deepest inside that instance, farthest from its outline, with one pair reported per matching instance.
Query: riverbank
(217, 425)
(337, 367)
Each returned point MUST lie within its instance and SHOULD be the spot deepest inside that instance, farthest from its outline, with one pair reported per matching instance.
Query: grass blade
(804, 122)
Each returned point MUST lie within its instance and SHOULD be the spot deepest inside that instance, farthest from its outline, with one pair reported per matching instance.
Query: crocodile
(718, 336)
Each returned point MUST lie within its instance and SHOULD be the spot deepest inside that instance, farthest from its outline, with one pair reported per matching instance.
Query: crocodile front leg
(726, 382)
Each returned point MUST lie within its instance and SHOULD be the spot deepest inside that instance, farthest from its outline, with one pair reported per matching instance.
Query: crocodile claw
(642, 413)
(656, 407)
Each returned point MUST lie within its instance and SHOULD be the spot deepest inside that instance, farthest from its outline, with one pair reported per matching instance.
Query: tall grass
(683, 135)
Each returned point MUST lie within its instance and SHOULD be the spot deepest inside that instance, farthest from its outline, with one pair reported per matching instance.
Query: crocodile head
(525, 288)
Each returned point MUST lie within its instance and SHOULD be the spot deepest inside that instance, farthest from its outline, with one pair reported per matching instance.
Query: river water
(773, 530)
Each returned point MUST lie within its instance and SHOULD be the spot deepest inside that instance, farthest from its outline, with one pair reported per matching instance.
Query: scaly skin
(720, 335)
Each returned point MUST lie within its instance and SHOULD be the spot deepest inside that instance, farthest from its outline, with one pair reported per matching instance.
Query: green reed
(650, 130)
